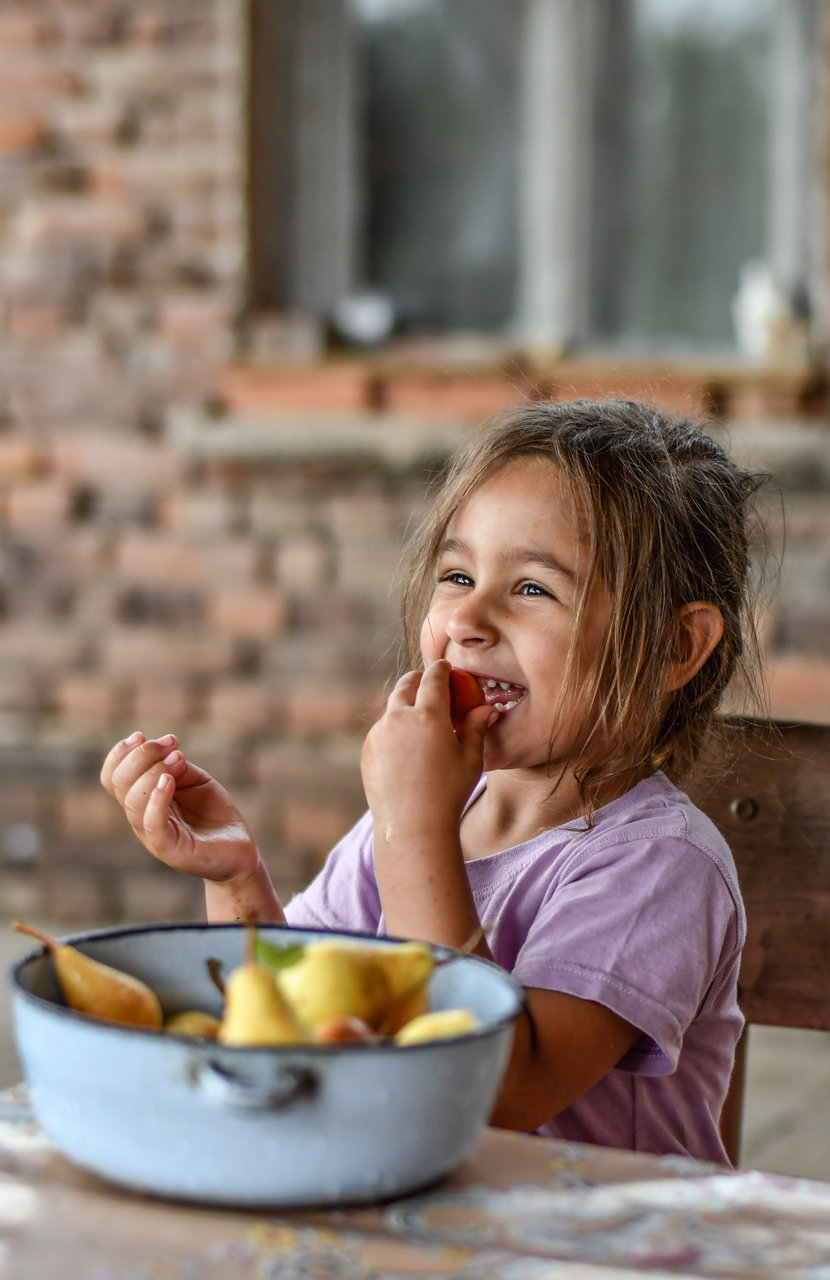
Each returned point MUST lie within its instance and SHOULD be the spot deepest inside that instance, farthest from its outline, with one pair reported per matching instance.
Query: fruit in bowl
(323, 1122)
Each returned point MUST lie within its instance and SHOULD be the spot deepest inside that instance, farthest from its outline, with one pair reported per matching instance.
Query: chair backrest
(767, 788)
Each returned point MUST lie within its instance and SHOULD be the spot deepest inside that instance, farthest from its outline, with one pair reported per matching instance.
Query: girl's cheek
(430, 641)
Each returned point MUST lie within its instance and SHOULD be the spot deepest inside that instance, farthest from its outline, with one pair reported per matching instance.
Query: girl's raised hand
(179, 812)
(417, 770)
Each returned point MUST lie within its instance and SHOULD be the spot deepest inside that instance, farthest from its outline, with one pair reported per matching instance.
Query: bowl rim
(446, 953)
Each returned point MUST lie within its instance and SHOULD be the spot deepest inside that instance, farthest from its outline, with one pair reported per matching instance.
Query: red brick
(254, 614)
(38, 505)
(145, 651)
(194, 319)
(20, 457)
(77, 896)
(111, 460)
(155, 896)
(35, 321)
(371, 571)
(475, 395)
(22, 896)
(20, 29)
(672, 392)
(103, 221)
(315, 827)
(317, 708)
(20, 131)
(160, 558)
(40, 643)
(799, 688)
(241, 705)
(303, 565)
(196, 511)
(85, 811)
(145, 557)
(161, 706)
(268, 389)
(88, 698)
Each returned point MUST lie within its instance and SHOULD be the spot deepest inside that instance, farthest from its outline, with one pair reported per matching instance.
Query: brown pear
(98, 989)
(193, 1022)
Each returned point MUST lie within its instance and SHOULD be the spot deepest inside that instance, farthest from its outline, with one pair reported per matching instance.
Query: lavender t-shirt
(640, 912)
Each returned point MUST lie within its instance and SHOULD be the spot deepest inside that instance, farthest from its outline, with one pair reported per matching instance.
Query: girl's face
(509, 578)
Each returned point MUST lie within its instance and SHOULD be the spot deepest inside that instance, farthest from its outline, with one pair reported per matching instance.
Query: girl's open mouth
(500, 695)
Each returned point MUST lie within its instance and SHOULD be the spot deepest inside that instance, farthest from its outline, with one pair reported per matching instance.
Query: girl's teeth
(504, 706)
(492, 684)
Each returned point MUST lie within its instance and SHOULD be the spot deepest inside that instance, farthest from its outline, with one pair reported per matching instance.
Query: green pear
(443, 1024)
(98, 989)
(257, 1012)
(336, 979)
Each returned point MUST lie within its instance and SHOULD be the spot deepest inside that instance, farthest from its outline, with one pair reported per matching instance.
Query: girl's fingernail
(161, 785)
(173, 758)
(134, 738)
(168, 740)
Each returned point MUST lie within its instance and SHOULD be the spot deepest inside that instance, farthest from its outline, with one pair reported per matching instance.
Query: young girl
(588, 563)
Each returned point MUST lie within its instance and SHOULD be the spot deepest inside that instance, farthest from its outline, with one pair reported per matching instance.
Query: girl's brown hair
(668, 517)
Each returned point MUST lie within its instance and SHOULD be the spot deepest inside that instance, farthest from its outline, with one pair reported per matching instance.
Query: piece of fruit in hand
(465, 693)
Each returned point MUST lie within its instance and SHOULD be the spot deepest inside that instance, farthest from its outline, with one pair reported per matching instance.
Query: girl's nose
(472, 623)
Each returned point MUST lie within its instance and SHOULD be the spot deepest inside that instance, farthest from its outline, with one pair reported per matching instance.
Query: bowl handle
(230, 1089)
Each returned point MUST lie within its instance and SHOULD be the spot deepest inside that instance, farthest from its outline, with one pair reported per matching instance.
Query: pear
(256, 1011)
(337, 980)
(98, 989)
(408, 967)
(443, 1024)
(193, 1022)
(344, 1031)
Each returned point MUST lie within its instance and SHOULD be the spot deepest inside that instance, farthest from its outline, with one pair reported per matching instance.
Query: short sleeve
(344, 894)
(643, 926)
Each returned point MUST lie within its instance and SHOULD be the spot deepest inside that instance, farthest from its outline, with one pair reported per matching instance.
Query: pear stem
(49, 943)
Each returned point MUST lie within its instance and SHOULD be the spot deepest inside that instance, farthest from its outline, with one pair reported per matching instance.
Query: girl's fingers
(134, 763)
(115, 757)
(405, 691)
(157, 815)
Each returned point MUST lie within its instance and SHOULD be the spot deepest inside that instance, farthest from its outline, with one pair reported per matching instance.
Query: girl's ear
(699, 629)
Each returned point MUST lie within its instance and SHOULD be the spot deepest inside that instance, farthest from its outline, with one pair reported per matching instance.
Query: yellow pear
(337, 980)
(193, 1022)
(443, 1024)
(408, 967)
(98, 989)
(257, 1012)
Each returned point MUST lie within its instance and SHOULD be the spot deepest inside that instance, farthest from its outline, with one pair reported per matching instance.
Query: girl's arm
(418, 775)
(562, 1047)
(188, 821)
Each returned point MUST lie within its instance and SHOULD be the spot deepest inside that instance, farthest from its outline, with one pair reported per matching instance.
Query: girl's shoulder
(659, 812)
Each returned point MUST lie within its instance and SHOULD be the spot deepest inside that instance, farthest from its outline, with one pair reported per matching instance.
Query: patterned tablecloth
(520, 1209)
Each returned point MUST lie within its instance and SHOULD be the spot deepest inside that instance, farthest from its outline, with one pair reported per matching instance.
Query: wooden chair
(770, 796)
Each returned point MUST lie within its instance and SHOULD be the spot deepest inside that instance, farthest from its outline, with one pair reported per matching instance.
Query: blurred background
(264, 263)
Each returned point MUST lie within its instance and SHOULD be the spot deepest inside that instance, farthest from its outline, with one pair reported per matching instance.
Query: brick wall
(193, 543)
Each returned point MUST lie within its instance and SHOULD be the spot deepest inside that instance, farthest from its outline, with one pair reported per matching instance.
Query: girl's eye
(456, 576)
(533, 589)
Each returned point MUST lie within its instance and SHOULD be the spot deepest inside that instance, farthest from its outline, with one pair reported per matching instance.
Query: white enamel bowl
(199, 1121)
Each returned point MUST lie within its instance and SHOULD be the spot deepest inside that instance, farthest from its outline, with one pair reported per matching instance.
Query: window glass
(439, 82)
(685, 196)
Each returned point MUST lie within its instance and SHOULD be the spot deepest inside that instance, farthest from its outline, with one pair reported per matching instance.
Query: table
(521, 1208)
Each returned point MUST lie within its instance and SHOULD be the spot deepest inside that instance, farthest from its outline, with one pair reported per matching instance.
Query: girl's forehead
(533, 488)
